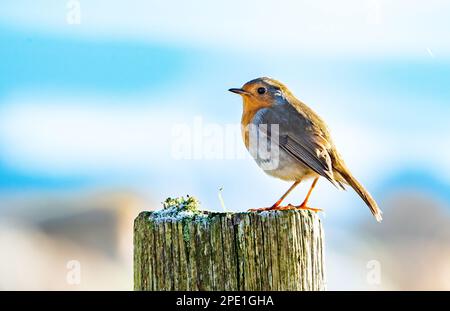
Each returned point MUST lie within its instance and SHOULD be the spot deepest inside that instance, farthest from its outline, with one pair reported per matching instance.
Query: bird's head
(261, 92)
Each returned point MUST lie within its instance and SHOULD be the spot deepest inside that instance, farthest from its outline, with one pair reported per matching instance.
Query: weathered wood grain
(280, 250)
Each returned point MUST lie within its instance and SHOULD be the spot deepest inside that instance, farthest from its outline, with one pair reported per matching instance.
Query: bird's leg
(277, 203)
(303, 205)
(313, 185)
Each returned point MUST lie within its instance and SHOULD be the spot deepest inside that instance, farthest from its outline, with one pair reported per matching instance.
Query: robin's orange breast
(251, 107)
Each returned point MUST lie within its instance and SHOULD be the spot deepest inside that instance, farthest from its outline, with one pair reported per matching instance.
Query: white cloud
(44, 134)
(349, 26)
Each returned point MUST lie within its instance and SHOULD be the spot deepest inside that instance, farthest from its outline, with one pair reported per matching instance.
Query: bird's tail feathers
(363, 193)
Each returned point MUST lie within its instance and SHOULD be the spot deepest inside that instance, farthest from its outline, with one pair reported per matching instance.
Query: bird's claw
(304, 207)
(287, 207)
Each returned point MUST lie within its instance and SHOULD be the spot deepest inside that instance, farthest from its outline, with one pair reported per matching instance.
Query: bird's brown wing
(301, 138)
(310, 151)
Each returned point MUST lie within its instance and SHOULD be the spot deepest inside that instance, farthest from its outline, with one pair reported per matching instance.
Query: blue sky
(93, 105)
(33, 60)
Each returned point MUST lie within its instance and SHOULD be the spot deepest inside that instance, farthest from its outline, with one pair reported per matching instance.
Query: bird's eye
(261, 90)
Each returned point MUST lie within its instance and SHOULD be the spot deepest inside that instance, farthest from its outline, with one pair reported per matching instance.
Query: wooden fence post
(182, 248)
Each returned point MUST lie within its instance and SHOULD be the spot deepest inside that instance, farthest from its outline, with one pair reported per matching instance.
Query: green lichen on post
(178, 209)
(183, 248)
(180, 204)
(181, 209)
(186, 232)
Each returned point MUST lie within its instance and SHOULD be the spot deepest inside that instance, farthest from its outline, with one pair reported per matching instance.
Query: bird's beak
(239, 91)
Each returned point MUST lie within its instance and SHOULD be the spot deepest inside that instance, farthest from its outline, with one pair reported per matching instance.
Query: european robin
(304, 144)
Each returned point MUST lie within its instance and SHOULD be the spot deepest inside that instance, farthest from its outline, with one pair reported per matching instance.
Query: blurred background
(107, 107)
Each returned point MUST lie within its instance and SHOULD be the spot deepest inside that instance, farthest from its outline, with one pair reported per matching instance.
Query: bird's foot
(304, 207)
(262, 209)
(274, 207)
(284, 208)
